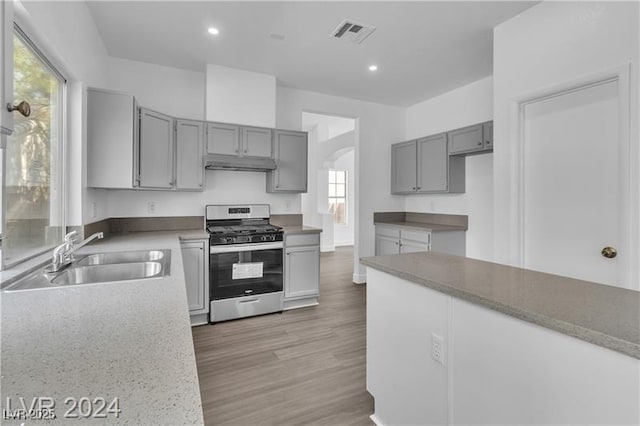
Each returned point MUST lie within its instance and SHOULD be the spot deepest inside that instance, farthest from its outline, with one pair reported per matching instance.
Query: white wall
(242, 97)
(463, 106)
(329, 138)
(378, 126)
(343, 235)
(550, 44)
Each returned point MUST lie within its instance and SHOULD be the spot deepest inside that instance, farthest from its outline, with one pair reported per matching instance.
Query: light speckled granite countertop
(424, 226)
(603, 315)
(128, 339)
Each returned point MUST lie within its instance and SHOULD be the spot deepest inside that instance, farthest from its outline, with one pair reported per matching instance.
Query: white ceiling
(422, 49)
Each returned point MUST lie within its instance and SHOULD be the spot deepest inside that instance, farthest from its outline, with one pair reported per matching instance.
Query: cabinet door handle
(419, 187)
(480, 143)
(414, 188)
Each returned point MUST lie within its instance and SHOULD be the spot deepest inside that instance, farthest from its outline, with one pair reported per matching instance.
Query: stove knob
(263, 238)
(272, 237)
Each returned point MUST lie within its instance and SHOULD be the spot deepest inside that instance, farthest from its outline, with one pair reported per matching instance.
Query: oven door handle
(234, 248)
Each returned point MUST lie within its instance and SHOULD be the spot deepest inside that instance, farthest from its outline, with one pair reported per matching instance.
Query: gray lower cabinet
(301, 270)
(196, 276)
(190, 137)
(397, 240)
(156, 152)
(236, 140)
(471, 139)
(290, 150)
(424, 166)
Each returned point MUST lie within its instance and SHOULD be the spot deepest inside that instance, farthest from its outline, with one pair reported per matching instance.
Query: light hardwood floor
(305, 366)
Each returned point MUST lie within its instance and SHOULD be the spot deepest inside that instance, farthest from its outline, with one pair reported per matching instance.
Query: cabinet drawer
(419, 236)
(302, 240)
(388, 231)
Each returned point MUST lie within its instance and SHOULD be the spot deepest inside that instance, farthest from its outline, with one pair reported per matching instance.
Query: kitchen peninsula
(459, 341)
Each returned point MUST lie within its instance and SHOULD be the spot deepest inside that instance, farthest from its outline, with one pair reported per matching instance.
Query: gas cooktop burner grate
(242, 229)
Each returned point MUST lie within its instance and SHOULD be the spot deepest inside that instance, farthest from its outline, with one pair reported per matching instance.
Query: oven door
(245, 269)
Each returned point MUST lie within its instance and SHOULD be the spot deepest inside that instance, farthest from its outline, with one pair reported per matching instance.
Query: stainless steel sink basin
(108, 272)
(122, 257)
(100, 267)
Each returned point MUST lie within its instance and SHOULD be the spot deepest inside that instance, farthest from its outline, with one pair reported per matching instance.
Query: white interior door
(574, 180)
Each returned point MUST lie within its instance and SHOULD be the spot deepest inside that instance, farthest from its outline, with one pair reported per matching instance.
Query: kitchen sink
(99, 268)
(108, 272)
(122, 257)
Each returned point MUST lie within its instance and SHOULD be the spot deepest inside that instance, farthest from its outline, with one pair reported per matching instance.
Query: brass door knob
(23, 108)
(609, 252)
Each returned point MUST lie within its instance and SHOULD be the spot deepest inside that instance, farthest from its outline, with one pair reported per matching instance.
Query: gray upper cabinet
(112, 138)
(424, 166)
(403, 167)
(223, 139)
(433, 164)
(190, 137)
(156, 150)
(290, 150)
(471, 139)
(256, 142)
(466, 139)
(232, 139)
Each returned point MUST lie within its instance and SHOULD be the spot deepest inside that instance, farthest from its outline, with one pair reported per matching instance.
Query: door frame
(630, 212)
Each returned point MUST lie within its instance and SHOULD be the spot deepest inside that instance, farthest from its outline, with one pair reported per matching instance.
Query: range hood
(232, 162)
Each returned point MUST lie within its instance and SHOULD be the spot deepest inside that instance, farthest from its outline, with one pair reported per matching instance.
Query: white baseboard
(359, 278)
(376, 420)
(200, 319)
(299, 303)
(325, 249)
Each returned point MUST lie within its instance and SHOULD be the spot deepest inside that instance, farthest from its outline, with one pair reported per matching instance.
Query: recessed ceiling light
(373, 68)
(213, 31)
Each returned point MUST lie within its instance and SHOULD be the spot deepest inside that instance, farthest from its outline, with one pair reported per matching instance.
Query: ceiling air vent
(352, 31)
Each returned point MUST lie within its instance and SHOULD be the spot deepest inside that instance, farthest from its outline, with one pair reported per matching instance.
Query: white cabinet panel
(302, 273)
(156, 153)
(194, 262)
(189, 152)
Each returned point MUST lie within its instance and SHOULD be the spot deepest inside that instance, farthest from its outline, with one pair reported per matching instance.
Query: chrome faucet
(63, 254)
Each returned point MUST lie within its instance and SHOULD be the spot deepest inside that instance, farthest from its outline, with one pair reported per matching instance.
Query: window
(338, 196)
(33, 216)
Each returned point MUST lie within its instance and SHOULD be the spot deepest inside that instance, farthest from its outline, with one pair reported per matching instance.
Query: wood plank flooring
(305, 366)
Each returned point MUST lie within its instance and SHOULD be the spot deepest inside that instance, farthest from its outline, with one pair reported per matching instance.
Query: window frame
(336, 197)
(61, 157)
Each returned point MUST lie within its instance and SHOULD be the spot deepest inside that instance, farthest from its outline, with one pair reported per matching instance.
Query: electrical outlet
(437, 348)
(151, 207)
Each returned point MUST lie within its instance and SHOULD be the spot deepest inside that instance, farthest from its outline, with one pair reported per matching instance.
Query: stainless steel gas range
(245, 261)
